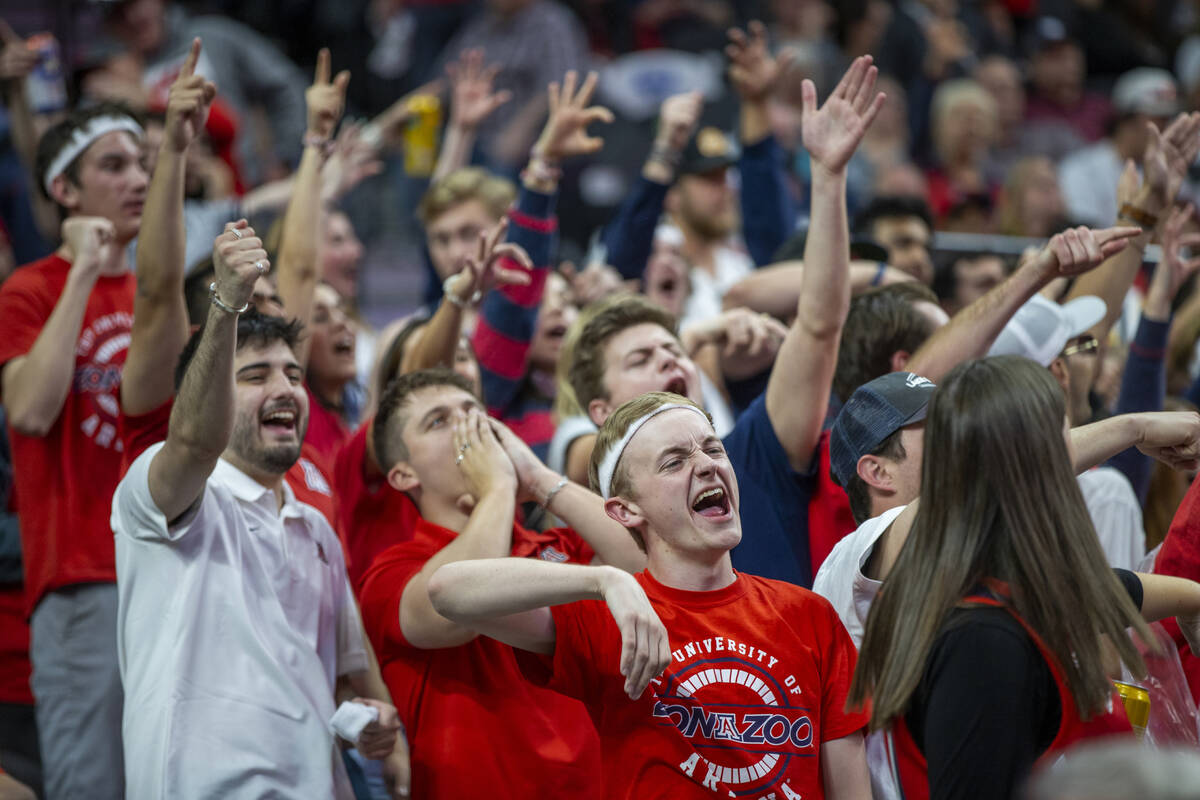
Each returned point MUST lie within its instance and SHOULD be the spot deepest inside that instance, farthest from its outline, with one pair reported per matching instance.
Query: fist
(89, 240)
(677, 119)
(238, 260)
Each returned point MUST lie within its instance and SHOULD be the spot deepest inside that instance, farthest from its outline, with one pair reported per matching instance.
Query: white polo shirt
(233, 626)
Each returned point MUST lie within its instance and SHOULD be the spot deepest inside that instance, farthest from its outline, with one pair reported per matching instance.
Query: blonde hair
(947, 98)
(468, 183)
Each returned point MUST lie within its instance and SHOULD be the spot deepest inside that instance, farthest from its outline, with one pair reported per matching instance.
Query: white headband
(609, 465)
(83, 138)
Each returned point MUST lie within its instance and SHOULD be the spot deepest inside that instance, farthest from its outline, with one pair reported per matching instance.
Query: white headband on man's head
(609, 465)
(83, 138)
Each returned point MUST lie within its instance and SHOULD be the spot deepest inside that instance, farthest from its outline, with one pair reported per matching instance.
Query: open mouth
(712, 504)
(280, 421)
(557, 332)
(344, 346)
(676, 386)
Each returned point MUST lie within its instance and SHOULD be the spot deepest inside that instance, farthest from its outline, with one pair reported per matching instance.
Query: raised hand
(832, 132)
(354, 159)
(565, 134)
(1169, 154)
(645, 645)
(677, 119)
(1173, 269)
(238, 261)
(17, 60)
(190, 98)
(752, 69)
(748, 341)
(478, 454)
(472, 98)
(89, 243)
(485, 271)
(1077, 250)
(325, 99)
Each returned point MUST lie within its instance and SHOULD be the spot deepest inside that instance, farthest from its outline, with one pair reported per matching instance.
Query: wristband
(454, 299)
(558, 487)
(323, 143)
(1134, 214)
(666, 155)
(878, 279)
(219, 303)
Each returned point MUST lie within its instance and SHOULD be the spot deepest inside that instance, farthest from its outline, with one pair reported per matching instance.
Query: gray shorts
(77, 685)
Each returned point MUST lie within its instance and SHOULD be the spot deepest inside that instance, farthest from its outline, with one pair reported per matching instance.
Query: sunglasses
(1083, 344)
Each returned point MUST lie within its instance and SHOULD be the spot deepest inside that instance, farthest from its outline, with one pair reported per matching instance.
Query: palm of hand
(831, 134)
(324, 107)
(473, 101)
(569, 135)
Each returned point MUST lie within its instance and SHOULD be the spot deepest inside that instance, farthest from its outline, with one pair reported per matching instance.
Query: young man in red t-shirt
(64, 330)
(748, 676)
(475, 726)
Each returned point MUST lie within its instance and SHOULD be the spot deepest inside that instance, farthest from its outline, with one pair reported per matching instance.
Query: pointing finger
(322, 75)
(189, 64)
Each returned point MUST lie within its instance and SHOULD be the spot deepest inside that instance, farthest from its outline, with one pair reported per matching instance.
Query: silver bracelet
(219, 303)
(454, 299)
(550, 495)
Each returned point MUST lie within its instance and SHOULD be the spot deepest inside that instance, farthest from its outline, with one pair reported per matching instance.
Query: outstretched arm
(471, 102)
(508, 599)
(1172, 437)
(972, 331)
(160, 322)
(299, 249)
(202, 417)
(798, 390)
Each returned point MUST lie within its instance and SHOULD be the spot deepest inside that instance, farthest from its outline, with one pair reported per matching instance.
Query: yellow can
(421, 135)
(1137, 706)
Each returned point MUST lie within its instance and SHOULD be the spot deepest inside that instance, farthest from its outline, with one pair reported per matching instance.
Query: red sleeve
(382, 588)
(23, 311)
(142, 430)
(583, 641)
(837, 672)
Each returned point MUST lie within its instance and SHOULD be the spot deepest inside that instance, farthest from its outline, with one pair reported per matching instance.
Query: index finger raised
(321, 77)
(1119, 233)
(189, 63)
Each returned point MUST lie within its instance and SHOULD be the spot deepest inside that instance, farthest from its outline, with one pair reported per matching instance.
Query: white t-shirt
(233, 626)
(1089, 183)
(1117, 515)
(704, 301)
(840, 580)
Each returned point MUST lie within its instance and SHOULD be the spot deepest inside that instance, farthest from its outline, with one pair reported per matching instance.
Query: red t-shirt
(758, 679)
(307, 477)
(65, 480)
(829, 517)
(371, 516)
(1180, 556)
(475, 727)
(326, 432)
(14, 647)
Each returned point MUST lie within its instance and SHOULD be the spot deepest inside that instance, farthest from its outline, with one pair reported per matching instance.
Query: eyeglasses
(1083, 344)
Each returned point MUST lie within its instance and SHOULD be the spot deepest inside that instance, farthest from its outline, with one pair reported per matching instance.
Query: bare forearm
(369, 683)
(584, 512)
(753, 123)
(971, 332)
(36, 384)
(1096, 443)
(297, 270)
(1167, 596)
(437, 342)
(469, 591)
(456, 150)
(202, 416)
(825, 289)
(162, 236)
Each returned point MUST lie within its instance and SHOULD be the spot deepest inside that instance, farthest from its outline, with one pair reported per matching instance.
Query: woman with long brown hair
(984, 650)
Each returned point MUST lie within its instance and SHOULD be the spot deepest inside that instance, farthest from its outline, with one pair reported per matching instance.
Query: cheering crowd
(841, 448)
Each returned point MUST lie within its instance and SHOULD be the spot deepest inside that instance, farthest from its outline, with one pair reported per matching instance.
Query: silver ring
(236, 232)
(458, 459)
(260, 266)
(465, 447)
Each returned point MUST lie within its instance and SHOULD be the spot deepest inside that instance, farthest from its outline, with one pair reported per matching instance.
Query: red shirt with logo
(64, 481)
(758, 680)
(371, 515)
(476, 728)
(308, 477)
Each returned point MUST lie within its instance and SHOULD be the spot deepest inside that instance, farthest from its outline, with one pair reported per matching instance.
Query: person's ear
(403, 478)
(1058, 368)
(64, 192)
(900, 360)
(876, 473)
(598, 410)
(625, 512)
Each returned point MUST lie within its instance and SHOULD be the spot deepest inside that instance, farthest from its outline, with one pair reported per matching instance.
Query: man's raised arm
(972, 331)
(202, 417)
(160, 323)
(798, 390)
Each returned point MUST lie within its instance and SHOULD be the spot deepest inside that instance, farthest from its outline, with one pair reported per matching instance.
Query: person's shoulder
(36, 276)
(783, 594)
(1106, 483)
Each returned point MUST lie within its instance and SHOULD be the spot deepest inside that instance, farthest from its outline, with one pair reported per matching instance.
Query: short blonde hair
(949, 96)
(468, 183)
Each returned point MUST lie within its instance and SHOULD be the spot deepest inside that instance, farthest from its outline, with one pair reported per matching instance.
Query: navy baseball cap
(875, 411)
